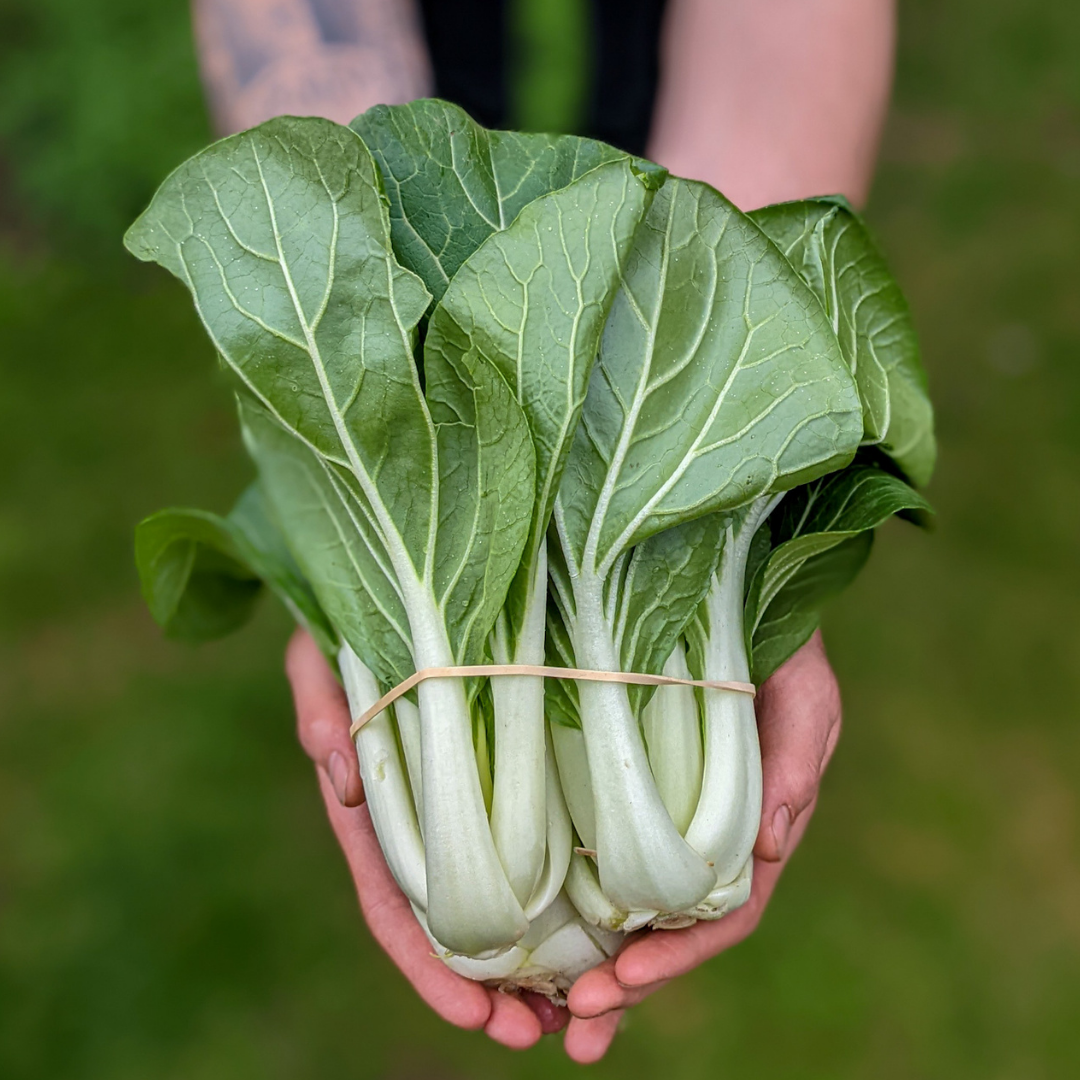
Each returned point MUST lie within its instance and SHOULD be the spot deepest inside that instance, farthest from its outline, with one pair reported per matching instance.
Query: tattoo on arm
(333, 58)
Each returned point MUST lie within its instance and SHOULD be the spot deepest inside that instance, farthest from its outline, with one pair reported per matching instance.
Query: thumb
(798, 724)
(322, 718)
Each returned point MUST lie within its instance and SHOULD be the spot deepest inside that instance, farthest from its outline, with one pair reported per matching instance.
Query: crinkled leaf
(794, 613)
(452, 183)
(830, 246)
(718, 379)
(533, 299)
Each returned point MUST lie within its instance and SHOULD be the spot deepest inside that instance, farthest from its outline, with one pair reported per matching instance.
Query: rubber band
(575, 674)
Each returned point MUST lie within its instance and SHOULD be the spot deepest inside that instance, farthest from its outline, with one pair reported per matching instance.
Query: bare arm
(333, 58)
(770, 100)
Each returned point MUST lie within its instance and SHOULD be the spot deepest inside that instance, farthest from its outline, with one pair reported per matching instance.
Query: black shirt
(468, 41)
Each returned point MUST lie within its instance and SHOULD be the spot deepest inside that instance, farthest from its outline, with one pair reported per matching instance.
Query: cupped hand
(799, 722)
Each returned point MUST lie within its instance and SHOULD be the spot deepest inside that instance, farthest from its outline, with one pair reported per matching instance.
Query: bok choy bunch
(525, 399)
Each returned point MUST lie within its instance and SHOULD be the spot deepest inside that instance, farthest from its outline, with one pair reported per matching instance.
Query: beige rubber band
(576, 674)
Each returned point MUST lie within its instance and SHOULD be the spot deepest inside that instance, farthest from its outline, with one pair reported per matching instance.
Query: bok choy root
(526, 400)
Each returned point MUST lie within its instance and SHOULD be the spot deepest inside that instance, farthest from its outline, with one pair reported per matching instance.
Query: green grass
(171, 902)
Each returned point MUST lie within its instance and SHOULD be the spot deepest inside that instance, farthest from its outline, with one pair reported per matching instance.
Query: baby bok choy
(405, 491)
(525, 400)
(719, 383)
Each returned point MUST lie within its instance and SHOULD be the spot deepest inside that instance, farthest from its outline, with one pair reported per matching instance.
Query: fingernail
(781, 826)
(338, 770)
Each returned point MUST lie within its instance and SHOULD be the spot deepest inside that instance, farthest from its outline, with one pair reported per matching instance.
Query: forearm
(769, 100)
(333, 58)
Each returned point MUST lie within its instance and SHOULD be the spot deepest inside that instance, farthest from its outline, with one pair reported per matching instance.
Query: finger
(587, 1041)
(552, 1017)
(512, 1022)
(599, 991)
(322, 718)
(664, 954)
(390, 919)
(798, 724)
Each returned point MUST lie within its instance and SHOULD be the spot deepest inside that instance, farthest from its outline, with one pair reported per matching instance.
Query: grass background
(171, 902)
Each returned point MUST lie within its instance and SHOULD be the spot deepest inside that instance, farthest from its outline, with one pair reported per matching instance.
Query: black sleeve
(466, 41)
(626, 71)
(468, 45)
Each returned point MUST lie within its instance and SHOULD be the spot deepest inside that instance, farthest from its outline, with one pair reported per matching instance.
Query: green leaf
(830, 246)
(817, 516)
(194, 578)
(352, 580)
(263, 545)
(201, 573)
(452, 183)
(860, 497)
(718, 379)
(811, 522)
(486, 458)
(282, 235)
(664, 582)
(758, 555)
(533, 299)
(794, 613)
(486, 482)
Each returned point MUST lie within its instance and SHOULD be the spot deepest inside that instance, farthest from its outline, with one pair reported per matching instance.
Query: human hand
(798, 712)
(323, 720)
(799, 722)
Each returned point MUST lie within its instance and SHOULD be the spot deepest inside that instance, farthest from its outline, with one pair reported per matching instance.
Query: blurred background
(172, 903)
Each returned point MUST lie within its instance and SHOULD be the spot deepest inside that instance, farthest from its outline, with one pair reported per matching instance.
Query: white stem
(584, 890)
(728, 813)
(518, 815)
(389, 800)
(727, 898)
(501, 966)
(570, 951)
(672, 728)
(574, 780)
(471, 907)
(644, 863)
(558, 948)
(560, 840)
